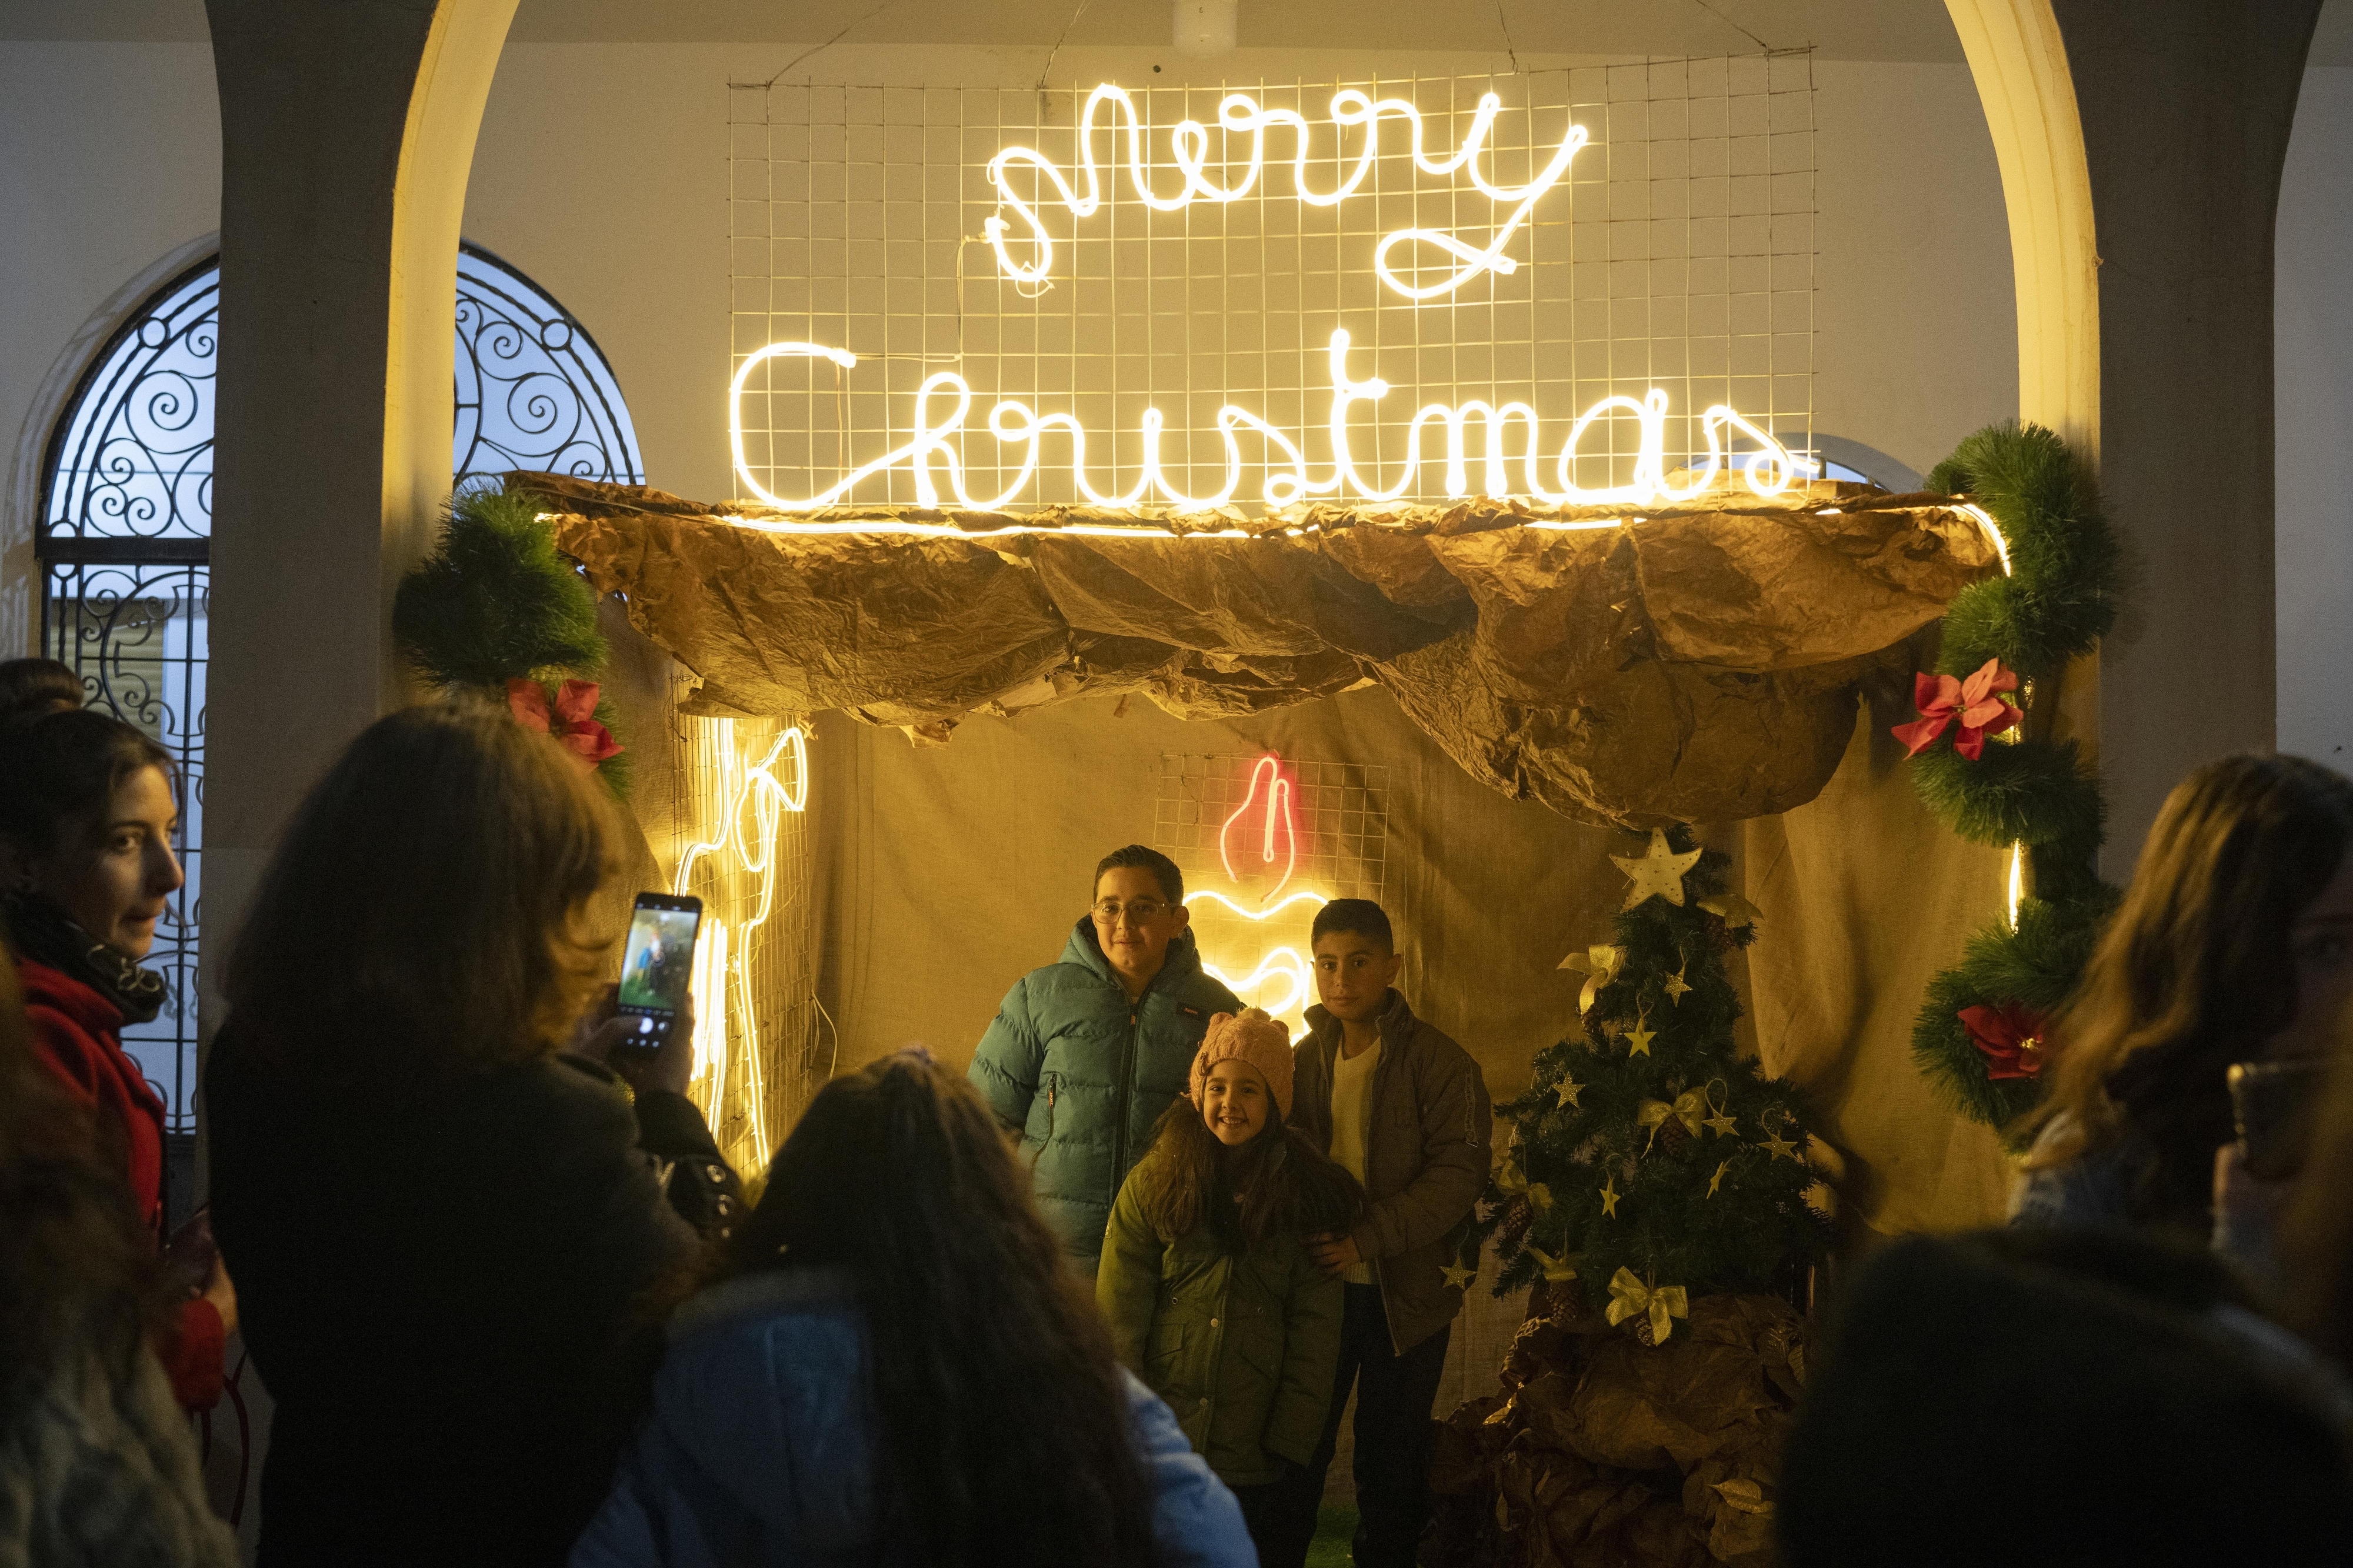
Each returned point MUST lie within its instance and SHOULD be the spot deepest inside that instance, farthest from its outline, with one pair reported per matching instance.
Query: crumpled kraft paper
(1598, 1450)
(1699, 664)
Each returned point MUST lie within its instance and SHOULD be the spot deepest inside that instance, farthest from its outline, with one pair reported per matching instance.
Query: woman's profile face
(112, 880)
(2321, 948)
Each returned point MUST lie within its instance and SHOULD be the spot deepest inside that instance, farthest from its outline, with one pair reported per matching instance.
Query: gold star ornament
(1639, 1037)
(1778, 1147)
(1675, 986)
(1657, 873)
(1717, 1180)
(1566, 1090)
(1609, 1196)
(1458, 1276)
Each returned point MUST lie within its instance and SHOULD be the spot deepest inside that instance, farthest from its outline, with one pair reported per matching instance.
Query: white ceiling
(1837, 30)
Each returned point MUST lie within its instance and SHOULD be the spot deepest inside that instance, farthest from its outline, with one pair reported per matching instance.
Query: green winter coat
(1244, 1348)
(1081, 1075)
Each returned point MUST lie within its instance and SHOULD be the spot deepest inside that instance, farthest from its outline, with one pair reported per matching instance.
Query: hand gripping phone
(2273, 1104)
(657, 965)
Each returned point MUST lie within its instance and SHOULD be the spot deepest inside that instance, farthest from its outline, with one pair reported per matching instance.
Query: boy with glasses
(1085, 1054)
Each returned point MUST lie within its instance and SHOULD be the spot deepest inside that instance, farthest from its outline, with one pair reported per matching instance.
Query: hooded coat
(761, 1447)
(1081, 1075)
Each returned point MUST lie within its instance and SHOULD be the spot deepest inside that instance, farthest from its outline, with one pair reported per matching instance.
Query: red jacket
(77, 1033)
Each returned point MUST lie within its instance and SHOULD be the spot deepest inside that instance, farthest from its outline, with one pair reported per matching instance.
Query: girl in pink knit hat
(1205, 1280)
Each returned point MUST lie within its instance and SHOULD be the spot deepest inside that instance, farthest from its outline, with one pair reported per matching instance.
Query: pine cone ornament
(1518, 1215)
(1673, 1136)
(1644, 1332)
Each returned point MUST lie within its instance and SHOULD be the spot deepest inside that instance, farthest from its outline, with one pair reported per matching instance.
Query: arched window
(124, 540)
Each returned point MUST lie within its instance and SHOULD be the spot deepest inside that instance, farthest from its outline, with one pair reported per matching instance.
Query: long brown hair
(76, 1266)
(433, 894)
(2196, 970)
(1005, 1428)
(1278, 1182)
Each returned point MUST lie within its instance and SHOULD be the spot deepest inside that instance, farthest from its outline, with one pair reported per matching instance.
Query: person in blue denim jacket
(891, 1363)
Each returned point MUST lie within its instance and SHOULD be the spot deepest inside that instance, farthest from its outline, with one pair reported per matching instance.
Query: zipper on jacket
(1126, 1091)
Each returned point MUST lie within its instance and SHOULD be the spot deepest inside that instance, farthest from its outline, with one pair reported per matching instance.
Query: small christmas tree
(1656, 1192)
(1650, 1145)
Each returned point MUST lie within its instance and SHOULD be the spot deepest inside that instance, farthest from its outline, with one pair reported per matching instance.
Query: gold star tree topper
(1657, 872)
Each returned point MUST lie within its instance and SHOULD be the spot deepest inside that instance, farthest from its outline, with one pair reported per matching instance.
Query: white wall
(2313, 378)
(109, 159)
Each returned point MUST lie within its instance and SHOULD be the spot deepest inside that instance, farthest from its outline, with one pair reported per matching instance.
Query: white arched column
(2140, 143)
(347, 135)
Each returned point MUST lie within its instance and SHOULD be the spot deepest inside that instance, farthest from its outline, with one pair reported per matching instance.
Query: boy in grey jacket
(1405, 1109)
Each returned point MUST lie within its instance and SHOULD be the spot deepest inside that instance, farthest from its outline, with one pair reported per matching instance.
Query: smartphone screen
(658, 962)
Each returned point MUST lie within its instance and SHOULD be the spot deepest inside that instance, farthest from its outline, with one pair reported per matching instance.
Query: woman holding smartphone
(439, 1214)
(2234, 943)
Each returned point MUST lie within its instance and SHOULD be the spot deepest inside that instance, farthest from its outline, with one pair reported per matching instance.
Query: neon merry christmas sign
(1511, 458)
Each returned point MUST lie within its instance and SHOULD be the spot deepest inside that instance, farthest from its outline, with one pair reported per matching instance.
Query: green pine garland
(2059, 600)
(1712, 1211)
(496, 601)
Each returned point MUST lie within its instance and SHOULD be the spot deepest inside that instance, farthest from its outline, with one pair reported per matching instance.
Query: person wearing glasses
(1084, 1055)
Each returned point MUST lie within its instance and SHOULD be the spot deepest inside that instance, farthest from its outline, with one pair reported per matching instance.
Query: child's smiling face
(1234, 1102)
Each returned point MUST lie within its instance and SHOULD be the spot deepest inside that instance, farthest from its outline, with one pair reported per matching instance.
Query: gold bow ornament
(1601, 963)
(1689, 1108)
(1629, 1297)
(1510, 1179)
(1556, 1269)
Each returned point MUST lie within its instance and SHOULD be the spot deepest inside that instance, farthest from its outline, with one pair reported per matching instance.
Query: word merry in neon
(1770, 469)
(741, 782)
(1241, 115)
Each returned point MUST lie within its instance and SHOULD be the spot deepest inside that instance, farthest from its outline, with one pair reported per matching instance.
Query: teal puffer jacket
(1082, 1076)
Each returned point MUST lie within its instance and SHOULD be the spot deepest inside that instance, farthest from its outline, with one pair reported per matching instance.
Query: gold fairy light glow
(749, 802)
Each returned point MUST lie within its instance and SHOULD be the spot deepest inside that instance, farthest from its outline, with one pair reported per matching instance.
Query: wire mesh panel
(1126, 286)
(762, 1044)
(1264, 841)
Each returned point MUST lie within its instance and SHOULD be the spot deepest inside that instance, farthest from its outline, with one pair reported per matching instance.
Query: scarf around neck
(41, 931)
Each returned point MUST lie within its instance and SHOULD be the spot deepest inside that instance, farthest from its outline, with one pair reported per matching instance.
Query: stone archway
(2140, 143)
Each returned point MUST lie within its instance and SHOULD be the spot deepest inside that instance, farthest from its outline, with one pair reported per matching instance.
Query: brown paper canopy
(1696, 665)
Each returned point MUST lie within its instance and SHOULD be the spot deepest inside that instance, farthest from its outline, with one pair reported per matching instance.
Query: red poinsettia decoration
(572, 722)
(2012, 1040)
(1976, 702)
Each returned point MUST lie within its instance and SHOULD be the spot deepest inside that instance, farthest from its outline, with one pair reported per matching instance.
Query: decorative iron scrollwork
(126, 526)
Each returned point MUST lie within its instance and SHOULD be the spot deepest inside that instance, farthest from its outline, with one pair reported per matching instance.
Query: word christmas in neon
(1481, 463)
